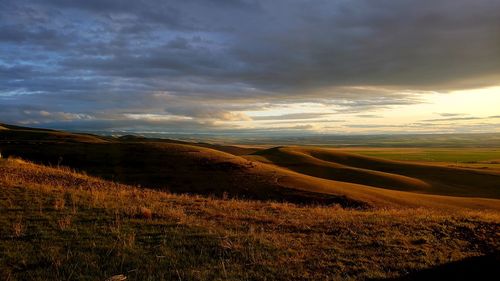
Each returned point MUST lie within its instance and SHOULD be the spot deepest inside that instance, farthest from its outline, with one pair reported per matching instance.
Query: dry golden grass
(342, 169)
(18, 228)
(105, 229)
(303, 175)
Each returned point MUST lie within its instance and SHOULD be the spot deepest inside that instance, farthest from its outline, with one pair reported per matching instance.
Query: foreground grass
(59, 225)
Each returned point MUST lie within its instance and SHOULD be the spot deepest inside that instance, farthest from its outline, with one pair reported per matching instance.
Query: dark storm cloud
(214, 57)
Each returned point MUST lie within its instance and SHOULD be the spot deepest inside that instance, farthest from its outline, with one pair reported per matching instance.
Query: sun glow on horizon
(468, 110)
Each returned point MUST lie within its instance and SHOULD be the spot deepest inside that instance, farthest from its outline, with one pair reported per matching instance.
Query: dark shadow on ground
(475, 268)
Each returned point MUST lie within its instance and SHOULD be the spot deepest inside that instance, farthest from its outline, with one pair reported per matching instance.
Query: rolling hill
(15, 134)
(371, 171)
(290, 174)
(56, 224)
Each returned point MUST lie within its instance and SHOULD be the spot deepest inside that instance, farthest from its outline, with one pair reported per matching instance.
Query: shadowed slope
(348, 167)
(484, 268)
(179, 168)
(231, 149)
(11, 133)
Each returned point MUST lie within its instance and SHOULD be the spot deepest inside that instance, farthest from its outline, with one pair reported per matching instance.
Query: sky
(250, 66)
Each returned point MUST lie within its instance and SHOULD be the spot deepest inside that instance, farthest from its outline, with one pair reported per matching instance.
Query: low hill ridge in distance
(58, 225)
(13, 133)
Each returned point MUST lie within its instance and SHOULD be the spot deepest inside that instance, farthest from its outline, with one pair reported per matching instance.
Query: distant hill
(12, 133)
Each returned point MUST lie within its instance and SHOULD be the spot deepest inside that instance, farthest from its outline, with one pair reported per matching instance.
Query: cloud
(451, 114)
(218, 58)
(423, 127)
(292, 116)
(366, 126)
(464, 118)
(453, 119)
(369, 116)
(128, 124)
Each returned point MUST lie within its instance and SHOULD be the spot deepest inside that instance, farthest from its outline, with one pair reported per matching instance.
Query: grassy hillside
(416, 177)
(177, 168)
(15, 134)
(293, 174)
(60, 225)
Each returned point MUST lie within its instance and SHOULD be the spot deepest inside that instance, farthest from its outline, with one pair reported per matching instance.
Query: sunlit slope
(353, 168)
(304, 163)
(382, 198)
